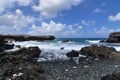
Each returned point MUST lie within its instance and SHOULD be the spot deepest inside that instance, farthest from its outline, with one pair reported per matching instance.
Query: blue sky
(62, 18)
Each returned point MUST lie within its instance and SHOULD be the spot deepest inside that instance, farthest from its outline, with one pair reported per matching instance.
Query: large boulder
(21, 65)
(114, 76)
(96, 51)
(22, 55)
(113, 38)
(72, 53)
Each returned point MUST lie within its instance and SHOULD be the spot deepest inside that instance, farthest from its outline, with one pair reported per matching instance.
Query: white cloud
(88, 22)
(57, 29)
(114, 18)
(24, 2)
(50, 8)
(4, 4)
(98, 10)
(15, 20)
(103, 30)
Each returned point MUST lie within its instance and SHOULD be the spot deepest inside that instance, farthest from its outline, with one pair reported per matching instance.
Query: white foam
(117, 48)
(51, 50)
(93, 41)
(55, 50)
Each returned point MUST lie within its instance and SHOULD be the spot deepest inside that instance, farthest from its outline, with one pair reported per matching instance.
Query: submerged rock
(96, 51)
(113, 76)
(72, 53)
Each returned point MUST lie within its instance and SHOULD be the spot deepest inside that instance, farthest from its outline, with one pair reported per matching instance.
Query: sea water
(56, 49)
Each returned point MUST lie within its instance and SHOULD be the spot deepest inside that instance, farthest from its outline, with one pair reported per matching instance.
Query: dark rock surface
(21, 65)
(113, 76)
(5, 46)
(96, 51)
(72, 53)
(68, 70)
(113, 38)
(25, 37)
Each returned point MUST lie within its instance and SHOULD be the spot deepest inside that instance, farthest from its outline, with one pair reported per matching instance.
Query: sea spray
(56, 49)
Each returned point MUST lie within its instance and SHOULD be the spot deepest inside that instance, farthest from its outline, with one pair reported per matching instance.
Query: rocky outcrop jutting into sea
(113, 38)
(25, 37)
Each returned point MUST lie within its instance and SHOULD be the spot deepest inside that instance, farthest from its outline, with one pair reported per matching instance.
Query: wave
(50, 50)
(57, 51)
(67, 42)
(93, 41)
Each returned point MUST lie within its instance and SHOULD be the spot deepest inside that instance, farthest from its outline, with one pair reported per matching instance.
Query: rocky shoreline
(21, 65)
(99, 63)
(85, 70)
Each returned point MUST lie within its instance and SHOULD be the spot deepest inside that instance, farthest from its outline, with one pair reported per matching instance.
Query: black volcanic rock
(72, 53)
(96, 51)
(113, 76)
(113, 38)
(5, 46)
(25, 37)
(21, 65)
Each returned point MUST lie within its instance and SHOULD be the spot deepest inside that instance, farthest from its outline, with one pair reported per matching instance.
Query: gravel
(84, 70)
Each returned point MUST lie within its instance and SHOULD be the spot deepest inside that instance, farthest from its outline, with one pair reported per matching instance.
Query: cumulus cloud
(4, 4)
(50, 8)
(88, 22)
(103, 30)
(57, 29)
(16, 20)
(114, 18)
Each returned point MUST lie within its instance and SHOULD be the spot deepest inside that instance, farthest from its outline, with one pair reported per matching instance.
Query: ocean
(56, 49)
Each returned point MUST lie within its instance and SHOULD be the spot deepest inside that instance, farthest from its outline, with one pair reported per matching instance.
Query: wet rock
(72, 53)
(62, 48)
(18, 46)
(113, 76)
(5, 46)
(25, 54)
(96, 51)
(33, 52)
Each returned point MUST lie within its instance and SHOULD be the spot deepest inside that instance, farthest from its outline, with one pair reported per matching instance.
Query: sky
(61, 18)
